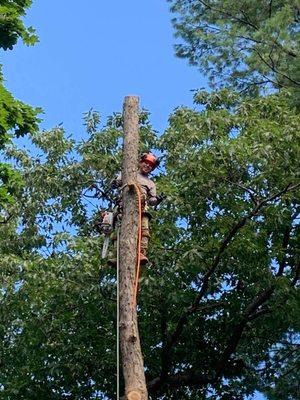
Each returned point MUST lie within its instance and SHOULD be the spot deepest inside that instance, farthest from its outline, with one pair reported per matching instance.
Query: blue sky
(93, 54)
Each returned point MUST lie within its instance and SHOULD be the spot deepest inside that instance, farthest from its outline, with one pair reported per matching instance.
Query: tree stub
(134, 395)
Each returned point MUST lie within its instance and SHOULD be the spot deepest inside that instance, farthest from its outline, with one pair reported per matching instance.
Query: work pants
(145, 234)
(144, 240)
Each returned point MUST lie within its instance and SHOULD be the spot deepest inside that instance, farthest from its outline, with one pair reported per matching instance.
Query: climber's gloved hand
(161, 198)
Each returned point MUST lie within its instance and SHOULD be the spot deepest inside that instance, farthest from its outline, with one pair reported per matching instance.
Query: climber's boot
(143, 259)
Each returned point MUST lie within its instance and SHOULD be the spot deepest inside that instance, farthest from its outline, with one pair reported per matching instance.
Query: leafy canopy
(16, 118)
(216, 306)
(11, 25)
(245, 44)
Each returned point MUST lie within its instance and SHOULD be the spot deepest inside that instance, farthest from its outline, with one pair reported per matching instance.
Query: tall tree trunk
(132, 360)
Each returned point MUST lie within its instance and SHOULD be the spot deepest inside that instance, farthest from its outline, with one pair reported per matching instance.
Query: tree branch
(285, 242)
(297, 274)
(247, 22)
(250, 311)
(270, 8)
(227, 14)
(231, 235)
(274, 69)
(165, 356)
(250, 314)
(189, 378)
(5, 220)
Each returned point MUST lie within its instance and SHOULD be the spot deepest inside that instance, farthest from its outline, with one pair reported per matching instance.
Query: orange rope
(138, 264)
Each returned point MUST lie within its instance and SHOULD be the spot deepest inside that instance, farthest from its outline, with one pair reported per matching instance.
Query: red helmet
(150, 158)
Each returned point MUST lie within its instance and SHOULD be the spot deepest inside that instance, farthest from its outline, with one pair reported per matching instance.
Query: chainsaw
(106, 228)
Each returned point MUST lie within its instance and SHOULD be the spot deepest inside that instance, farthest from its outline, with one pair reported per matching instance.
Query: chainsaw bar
(105, 246)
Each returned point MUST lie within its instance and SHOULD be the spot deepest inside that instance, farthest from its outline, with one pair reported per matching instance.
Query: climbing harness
(109, 219)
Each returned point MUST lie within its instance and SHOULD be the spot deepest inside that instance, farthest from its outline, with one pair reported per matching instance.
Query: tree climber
(148, 162)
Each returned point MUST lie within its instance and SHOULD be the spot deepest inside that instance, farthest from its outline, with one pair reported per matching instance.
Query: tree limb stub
(134, 395)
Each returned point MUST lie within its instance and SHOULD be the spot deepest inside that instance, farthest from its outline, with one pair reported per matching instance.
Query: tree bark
(132, 360)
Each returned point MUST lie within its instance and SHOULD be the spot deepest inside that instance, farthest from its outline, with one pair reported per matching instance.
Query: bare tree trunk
(132, 360)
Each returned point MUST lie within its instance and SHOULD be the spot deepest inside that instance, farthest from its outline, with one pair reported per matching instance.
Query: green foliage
(247, 44)
(218, 299)
(11, 25)
(228, 170)
(217, 302)
(16, 118)
(281, 369)
(10, 182)
(54, 307)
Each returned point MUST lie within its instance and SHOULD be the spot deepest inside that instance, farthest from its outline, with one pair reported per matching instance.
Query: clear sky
(93, 53)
